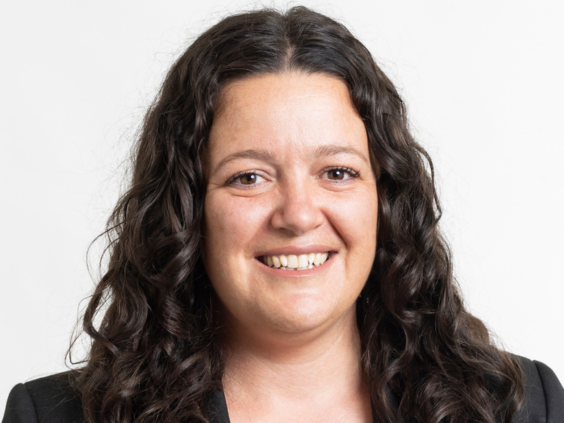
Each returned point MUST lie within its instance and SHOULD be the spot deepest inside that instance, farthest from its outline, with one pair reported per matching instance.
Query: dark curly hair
(155, 356)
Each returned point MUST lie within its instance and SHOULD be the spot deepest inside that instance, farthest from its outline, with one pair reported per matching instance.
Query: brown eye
(336, 174)
(341, 174)
(248, 179)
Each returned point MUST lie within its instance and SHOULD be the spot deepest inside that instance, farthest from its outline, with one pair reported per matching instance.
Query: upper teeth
(296, 262)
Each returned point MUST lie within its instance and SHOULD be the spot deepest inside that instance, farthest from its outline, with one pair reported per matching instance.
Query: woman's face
(289, 185)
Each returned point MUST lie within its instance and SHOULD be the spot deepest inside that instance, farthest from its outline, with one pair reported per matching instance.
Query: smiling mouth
(296, 262)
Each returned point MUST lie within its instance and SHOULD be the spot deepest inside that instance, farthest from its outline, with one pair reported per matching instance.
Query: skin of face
(300, 127)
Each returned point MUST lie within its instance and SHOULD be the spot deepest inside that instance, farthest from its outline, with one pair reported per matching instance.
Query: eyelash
(353, 173)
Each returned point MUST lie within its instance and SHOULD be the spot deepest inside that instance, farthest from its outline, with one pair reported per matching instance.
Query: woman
(278, 256)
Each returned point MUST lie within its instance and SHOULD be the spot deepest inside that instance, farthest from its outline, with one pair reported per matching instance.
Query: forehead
(285, 88)
(287, 112)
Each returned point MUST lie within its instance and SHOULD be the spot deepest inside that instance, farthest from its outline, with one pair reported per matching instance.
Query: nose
(297, 210)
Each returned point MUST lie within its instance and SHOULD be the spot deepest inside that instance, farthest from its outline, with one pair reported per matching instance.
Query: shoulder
(544, 395)
(45, 400)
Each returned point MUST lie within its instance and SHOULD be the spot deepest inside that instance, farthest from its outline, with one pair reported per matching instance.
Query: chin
(307, 316)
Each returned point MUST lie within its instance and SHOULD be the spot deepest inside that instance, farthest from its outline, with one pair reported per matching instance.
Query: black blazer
(49, 400)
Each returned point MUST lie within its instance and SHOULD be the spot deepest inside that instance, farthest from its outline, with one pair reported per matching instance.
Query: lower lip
(298, 273)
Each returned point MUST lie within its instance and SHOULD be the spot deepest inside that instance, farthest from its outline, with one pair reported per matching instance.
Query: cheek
(355, 218)
(231, 222)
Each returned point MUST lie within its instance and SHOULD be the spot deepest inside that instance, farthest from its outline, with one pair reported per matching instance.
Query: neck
(320, 366)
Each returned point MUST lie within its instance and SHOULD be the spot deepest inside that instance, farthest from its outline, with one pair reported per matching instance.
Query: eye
(244, 178)
(341, 173)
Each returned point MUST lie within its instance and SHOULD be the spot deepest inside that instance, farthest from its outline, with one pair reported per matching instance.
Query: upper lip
(297, 250)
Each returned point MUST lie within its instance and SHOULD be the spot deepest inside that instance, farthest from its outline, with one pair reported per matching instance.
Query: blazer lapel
(217, 408)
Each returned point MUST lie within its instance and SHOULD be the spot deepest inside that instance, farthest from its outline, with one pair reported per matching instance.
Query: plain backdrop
(482, 81)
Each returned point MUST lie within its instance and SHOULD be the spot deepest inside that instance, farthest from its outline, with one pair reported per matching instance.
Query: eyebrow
(323, 151)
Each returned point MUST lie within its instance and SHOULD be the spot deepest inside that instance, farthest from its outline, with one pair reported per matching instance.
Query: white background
(482, 81)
